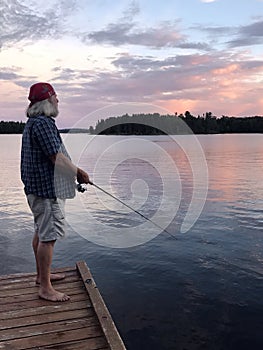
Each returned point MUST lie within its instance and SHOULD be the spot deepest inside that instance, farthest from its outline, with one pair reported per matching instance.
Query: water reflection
(200, 291)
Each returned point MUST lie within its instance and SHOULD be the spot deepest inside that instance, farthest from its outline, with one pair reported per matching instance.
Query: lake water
(202, 288)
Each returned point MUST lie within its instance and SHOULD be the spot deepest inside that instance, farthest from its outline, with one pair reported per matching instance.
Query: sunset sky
(195, 55)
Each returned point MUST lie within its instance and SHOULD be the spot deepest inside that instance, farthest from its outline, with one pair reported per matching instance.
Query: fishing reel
(81, 187)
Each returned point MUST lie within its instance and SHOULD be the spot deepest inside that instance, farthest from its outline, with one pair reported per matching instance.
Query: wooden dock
(28, 322)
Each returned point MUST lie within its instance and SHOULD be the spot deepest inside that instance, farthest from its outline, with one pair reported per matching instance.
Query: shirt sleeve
(46, 135)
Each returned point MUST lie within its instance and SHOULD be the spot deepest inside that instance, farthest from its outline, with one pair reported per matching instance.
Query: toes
(66, 297)
(54, 297)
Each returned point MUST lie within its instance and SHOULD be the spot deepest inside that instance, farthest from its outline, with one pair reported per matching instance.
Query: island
(157, 124)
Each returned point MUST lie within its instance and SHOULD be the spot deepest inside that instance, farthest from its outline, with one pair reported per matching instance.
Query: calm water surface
(201, 291)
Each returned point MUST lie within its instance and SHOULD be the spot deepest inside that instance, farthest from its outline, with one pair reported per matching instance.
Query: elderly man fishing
(49, 179)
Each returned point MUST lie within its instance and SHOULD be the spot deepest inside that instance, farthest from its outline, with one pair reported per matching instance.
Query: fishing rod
(82, 188)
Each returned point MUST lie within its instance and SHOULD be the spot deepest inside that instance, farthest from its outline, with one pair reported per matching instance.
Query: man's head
(43, 100)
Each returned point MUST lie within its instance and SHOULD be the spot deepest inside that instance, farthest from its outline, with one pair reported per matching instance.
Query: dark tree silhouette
(156, 124)
(11, 127)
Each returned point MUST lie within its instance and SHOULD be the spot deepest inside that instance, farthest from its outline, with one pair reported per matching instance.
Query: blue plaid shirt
(41, 139)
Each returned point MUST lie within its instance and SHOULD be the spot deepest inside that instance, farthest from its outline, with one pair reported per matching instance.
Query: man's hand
(82, 177)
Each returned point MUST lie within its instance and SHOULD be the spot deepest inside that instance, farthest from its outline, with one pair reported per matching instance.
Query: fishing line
(82, 188)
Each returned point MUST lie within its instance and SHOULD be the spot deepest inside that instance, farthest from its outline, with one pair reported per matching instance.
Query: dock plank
(34, 301)
(98, 343)
(51, 327)
(46, 318)
(30, 323)
(32, 275)
(52, 338)
(27, 283)
(32, 290)
(33, 296)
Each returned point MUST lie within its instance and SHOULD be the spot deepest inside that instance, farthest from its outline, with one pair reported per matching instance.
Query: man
(49, 178)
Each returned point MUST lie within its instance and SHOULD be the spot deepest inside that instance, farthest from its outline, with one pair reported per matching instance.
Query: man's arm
(66, 166)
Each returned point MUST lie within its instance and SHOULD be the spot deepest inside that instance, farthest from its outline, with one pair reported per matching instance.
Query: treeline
(156, 124)
(74, 131)
(11, 127)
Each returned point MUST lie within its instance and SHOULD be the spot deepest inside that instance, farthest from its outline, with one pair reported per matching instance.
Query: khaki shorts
(49, 217)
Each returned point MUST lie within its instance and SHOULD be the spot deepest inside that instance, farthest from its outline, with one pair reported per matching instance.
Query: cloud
(210, 74)
(195, 77)
(245, 35)
(166, 34)
(24, 23)
(13, 76)
(248, 35)
(131, 11)
(216, 31)
(8, 73)
(118, 34)
(8, 76)
(126, 31)
(214, 81)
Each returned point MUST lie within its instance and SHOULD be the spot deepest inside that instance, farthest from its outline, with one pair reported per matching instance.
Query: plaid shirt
(41, 140)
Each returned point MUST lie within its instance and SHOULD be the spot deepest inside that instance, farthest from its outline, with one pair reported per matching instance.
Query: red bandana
(39, 92)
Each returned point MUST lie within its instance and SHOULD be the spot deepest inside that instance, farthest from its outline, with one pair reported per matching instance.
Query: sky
(103, 56)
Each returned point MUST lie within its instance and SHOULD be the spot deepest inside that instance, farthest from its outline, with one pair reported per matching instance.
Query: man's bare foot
(52, 295)
(53, 277)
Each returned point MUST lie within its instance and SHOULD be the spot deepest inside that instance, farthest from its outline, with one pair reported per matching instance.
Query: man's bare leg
(35, 242)
(53, 276)
(44, 260)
